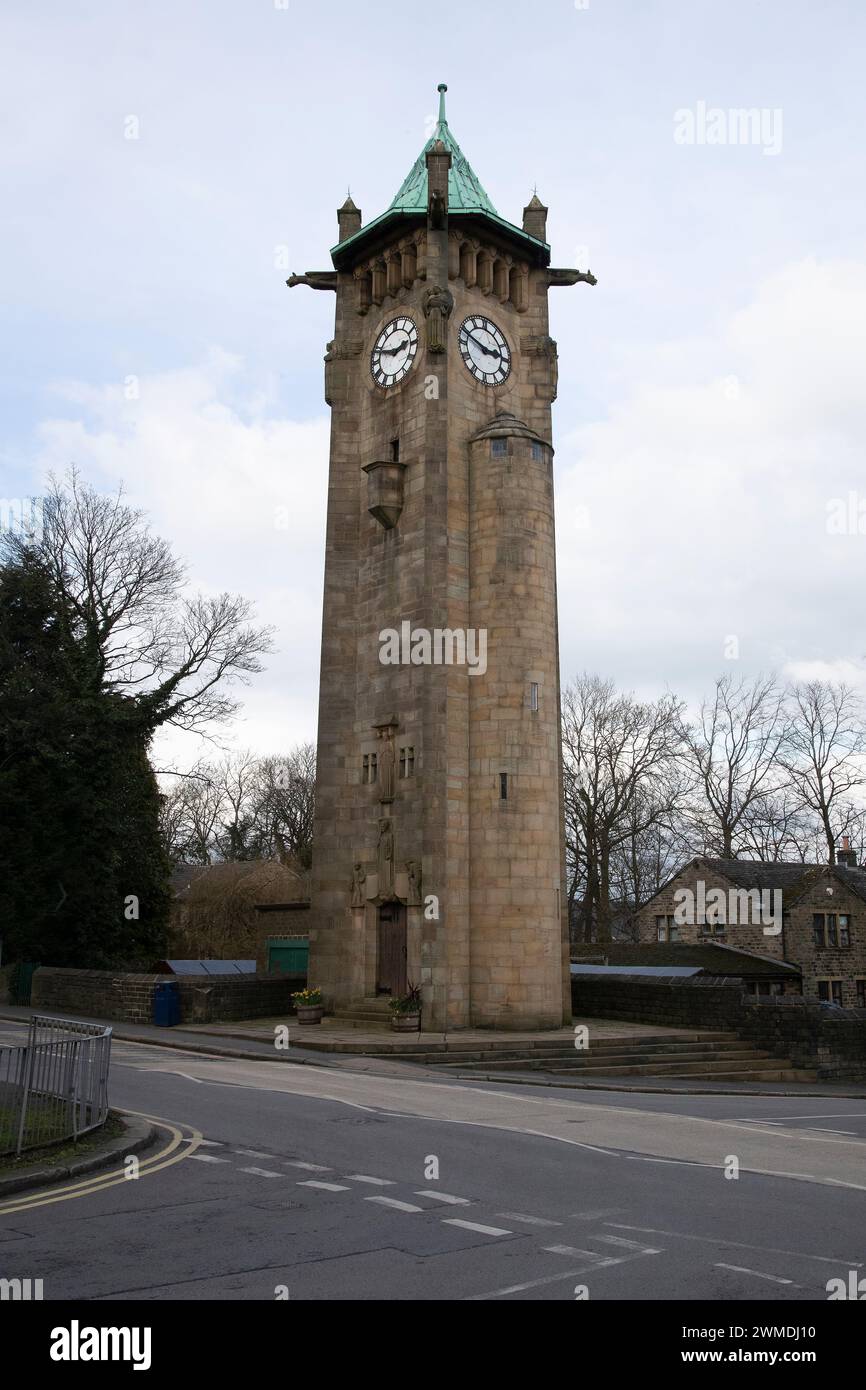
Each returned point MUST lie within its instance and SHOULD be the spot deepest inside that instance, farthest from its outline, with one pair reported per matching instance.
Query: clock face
(394, 351)
(484, 350)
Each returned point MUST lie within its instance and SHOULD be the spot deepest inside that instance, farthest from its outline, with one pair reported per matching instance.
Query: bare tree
(172, 655)
(621, 779)
(825, 752)
(286, 799)
(734, 750)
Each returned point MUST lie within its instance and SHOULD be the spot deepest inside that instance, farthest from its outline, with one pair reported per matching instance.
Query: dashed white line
(474, 1226)
(392, 1202)
(307, 1167)
(529, 1220)
(363, 1177)
(262, 1172)
(207, 1158)
(592, 1256)
(325, 1186)
(773, 1279)
(211, 1143)
(252, 1153)
(443, 1197)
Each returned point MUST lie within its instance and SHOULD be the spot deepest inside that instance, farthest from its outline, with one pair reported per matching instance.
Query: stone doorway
(391, 949)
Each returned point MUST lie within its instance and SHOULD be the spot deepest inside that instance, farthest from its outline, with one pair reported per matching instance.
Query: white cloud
(707, 491)
(241, 498)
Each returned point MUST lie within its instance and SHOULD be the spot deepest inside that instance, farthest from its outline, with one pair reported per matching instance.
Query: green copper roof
(465, 193)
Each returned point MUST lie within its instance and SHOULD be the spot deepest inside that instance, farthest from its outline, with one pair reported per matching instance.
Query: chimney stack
(846, 855)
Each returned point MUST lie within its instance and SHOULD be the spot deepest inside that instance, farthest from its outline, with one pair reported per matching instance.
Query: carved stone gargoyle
(316, 279)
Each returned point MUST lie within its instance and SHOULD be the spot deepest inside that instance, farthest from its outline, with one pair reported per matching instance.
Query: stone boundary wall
(129, 997)
(816, 1038)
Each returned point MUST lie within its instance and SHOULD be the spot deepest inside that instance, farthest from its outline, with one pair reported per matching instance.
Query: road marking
(168, 1156)
(325, 1186)
(165, 1072)
(592, 1255)
(773, 1279)
(474, 1226)
(307, 1167)
(533, 1284)
(628, 1244)
(818, 1129)
(252, 1153)
(392, 1202)
(377, 1182)
(208, 1158)
(262, 1172)
(530, 1220)
(737, 1245)
(443, 1197)
(212, 1144)
(843, 1115)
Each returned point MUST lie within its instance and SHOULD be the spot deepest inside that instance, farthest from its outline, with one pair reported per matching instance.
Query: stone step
(587, 1061)
(757, 1065)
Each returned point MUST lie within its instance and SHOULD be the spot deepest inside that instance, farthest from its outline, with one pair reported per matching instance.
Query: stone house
(811, 916)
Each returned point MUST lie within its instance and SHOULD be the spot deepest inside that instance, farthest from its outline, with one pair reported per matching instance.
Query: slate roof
(710, 957)
(792, 878)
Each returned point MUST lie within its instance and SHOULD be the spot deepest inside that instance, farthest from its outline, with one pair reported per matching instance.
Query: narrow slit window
(533, 695)
(503, 786)
(395, 451)
(498, 448)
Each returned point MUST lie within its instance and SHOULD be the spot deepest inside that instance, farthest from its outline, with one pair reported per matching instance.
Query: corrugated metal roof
(635, 970)
(209, 967)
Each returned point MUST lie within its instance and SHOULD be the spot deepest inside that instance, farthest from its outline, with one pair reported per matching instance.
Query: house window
(667, 929)
(860, 986)
(537, 451)
(711, 929)
(503, 786)
(407, 762)
(498, 448)
(830, 991)
(370, 768)
(831, 929)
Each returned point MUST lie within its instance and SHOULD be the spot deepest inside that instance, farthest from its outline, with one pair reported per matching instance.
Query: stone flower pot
(310, 1013)
(405, 1023)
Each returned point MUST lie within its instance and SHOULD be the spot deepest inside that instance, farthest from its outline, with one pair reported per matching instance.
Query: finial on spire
(442, 89)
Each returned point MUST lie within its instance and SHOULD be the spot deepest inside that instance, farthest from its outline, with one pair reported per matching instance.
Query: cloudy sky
(162, 162)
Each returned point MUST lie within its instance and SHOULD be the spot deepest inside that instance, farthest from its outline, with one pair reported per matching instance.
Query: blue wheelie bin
(166, 1004)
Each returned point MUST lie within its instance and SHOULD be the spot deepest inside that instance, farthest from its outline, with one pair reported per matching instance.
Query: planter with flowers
(309, 1005)
(406, 1011)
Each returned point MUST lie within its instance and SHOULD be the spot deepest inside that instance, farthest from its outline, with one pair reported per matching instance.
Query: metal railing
(55, 1086)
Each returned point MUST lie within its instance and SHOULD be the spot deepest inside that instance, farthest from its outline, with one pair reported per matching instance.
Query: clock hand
(392, 352)
(490, 352)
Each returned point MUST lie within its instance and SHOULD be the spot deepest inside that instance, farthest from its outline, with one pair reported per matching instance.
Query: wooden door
(391, 953)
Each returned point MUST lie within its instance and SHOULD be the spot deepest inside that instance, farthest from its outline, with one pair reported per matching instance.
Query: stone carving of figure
(385, 859)
(359, 879)
(413, 873)
(386, 766)
(437, 304)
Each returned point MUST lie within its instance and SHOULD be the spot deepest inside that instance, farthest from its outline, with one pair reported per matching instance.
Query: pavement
(255, 1040)
(329, 1182)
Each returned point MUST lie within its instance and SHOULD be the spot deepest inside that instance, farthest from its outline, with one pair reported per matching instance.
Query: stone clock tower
(437, 851)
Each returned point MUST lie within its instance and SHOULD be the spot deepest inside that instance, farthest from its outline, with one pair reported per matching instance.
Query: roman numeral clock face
(484, 350)
(394, 352)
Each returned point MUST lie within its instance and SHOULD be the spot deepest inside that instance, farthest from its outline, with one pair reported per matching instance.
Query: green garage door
(288, 957)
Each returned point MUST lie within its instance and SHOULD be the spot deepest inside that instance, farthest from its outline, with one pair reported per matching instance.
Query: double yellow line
(180, 1146)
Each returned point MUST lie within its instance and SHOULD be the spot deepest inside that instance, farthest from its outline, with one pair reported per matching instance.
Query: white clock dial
(394, 351)
(484, 350)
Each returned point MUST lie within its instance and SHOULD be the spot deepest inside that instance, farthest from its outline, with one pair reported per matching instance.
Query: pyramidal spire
(465, 193)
